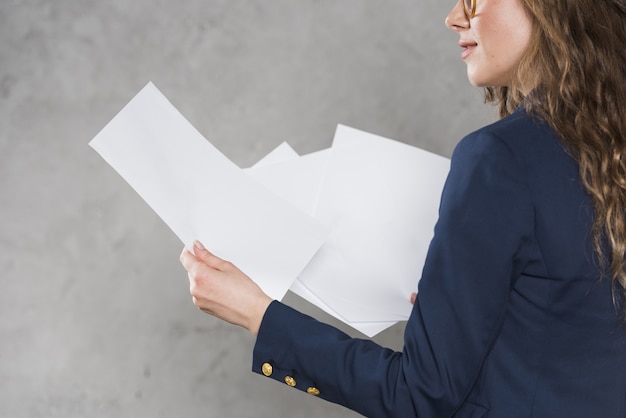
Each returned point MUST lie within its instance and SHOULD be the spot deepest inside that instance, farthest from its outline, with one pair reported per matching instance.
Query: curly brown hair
(576, 66)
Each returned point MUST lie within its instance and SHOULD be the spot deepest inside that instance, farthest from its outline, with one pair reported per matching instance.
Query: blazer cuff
(273, 350)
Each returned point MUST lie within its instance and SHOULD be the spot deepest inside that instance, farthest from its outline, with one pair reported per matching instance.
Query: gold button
(290, 381)
(267, 369)
(313, 391)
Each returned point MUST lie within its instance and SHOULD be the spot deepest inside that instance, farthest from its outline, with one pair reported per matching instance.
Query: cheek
(517, 35)
(506, 47)
(519, 42)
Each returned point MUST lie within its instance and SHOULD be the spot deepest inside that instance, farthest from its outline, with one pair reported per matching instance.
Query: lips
(468, 48)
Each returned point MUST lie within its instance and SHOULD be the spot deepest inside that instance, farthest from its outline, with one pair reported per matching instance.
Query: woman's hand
(222, 290)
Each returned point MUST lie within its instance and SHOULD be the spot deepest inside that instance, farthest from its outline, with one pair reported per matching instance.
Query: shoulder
(519, 140)
(518, 136)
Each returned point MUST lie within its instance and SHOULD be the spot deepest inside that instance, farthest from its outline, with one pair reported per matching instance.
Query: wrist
(258, 312)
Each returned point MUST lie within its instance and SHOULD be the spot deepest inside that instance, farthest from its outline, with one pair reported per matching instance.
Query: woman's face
(493, 41)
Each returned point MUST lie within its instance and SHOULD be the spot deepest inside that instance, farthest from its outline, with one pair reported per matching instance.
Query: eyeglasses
(470, 8)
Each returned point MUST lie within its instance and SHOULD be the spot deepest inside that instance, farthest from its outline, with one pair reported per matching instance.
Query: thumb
(208, 257)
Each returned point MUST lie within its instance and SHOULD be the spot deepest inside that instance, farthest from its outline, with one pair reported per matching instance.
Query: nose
(457, 19)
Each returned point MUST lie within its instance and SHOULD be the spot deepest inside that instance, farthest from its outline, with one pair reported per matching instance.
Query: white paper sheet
(368, 328)
(298, 180)
(378, 197)
(415, 178)
(380, 200)
(200, 194)
(283, 152)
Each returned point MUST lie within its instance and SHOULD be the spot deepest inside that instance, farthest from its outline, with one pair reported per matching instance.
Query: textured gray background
(95, 315)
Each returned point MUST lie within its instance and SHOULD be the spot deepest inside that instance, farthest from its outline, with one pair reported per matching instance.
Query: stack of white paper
(379, 199)
(347, 228)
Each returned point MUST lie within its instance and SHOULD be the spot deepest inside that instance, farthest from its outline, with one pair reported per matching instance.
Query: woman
(520, 306)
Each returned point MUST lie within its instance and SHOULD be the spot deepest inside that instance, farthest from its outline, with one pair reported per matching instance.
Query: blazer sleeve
(481, 243)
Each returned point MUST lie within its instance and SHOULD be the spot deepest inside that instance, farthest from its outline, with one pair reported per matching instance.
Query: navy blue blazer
(512, 319)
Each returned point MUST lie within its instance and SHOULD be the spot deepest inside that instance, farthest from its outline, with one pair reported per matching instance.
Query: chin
(474, 82)
(474, 78)
(477, 82)
(481, 80)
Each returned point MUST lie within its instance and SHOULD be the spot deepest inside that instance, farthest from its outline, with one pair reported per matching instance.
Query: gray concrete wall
(95, 315)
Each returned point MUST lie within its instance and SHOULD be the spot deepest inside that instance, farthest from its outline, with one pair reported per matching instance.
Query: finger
(198, 305)
(187, 259)
(193, 284)
(196, 302)
(413, 298)
(209, 258)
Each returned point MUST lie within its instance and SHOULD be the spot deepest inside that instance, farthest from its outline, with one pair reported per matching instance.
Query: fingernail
(198, 244)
